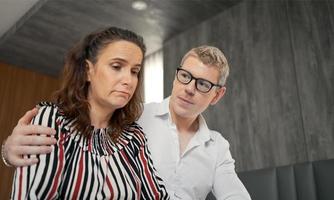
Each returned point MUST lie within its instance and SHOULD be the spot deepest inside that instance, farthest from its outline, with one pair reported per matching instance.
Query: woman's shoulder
(48, 113)
(50, 106)
(51, 115)
(137, 131)
(47, 105)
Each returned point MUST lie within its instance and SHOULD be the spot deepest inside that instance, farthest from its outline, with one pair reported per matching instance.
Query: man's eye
(204, 83)
(185, 76)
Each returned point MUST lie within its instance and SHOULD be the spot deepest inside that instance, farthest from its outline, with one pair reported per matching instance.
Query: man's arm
(227, 185)
(27, 139)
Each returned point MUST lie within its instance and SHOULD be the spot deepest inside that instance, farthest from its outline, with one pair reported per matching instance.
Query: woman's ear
(90, 69)
(219, 94)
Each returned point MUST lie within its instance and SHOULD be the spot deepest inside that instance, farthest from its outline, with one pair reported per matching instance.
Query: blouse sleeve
(42, 180)
(152, 185)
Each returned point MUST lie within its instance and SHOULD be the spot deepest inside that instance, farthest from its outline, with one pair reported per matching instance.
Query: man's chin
(184, 112)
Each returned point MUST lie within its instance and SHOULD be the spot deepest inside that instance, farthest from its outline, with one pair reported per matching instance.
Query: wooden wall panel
(20, 90)
(266, 130)
(263, 112)
(312, 36)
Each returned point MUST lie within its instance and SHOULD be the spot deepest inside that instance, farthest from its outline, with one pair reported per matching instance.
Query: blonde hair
(210, 55)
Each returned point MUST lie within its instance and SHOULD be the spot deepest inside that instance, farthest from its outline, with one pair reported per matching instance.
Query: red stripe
(111, 189)
(78, 182)
(59, 168)
(20, 183)
(138, 188)
(148, 175)
(90, 143)
(122, 142)
(140, 135)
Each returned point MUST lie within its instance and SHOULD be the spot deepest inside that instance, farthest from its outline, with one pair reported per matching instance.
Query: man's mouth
(185, 100)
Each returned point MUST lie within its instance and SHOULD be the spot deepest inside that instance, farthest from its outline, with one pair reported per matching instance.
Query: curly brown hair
(72, 96)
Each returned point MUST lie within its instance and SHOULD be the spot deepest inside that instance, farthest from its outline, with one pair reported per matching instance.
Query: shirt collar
(203, 134)
(163, 107)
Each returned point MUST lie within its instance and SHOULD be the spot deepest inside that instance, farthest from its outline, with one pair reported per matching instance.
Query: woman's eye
(135, 72)
(116, 66)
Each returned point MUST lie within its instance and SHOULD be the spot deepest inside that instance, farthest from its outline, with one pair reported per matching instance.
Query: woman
(101, 152)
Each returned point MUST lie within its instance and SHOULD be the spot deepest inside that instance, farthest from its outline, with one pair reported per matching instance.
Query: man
(192, 159)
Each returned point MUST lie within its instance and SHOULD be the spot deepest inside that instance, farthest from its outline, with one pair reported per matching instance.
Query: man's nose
(191, 87)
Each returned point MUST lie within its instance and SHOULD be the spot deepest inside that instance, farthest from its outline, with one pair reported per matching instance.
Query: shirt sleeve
(41, 181)
(152, 185)
(227, 185)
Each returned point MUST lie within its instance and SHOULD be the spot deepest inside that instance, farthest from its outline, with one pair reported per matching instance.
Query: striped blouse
(89, 168)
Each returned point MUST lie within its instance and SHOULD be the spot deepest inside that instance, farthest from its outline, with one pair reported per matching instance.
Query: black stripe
(123, 168)
(92, 175)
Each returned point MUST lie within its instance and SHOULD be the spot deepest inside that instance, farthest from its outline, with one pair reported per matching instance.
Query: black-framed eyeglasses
(186, 77)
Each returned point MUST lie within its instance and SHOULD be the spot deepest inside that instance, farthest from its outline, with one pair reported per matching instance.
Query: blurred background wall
(279, 105)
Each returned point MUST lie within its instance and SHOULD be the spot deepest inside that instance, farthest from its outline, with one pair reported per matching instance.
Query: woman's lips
(123, 93)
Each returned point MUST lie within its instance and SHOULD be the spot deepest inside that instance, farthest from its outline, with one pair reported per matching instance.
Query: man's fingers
(35, 140)
(33, 150)
(33, 129)
(18, 156)
(19, 162)
(28, 116)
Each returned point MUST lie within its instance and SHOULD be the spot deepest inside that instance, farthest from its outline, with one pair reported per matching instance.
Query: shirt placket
(177, 184)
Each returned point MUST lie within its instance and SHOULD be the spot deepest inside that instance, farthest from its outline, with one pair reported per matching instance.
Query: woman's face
(114, 77)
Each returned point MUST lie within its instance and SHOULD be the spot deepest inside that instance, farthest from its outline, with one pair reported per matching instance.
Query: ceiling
(40, 39)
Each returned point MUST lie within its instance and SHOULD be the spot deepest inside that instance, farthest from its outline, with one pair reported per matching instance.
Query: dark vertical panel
(268, 121)
(313, 48)
(172, 60)
(330, 10)
(177, 47)
(231, 116)
(261, 114)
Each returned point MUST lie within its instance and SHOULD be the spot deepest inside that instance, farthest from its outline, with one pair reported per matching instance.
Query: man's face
(188, 102)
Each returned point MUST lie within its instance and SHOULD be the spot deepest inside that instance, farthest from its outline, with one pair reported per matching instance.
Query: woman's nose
(127, 77)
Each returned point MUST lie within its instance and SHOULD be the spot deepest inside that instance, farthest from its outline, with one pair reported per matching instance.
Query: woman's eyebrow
(140, 65)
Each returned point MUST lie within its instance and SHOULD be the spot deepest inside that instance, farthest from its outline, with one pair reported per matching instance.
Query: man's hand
(27, 139)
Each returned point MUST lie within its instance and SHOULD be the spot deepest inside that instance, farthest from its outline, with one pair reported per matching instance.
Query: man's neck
(186, 128)
(185, 124)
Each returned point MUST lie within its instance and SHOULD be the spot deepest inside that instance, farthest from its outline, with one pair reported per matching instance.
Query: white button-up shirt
(206, 164)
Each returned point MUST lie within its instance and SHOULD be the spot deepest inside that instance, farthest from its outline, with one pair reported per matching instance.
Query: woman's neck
(99, 115)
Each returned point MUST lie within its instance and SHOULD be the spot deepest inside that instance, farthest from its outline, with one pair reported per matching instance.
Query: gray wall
(279, 104)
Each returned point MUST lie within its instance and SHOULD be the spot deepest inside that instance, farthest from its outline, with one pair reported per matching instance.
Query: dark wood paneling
(312, 34)
(266, 106)
(20, 90)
